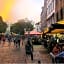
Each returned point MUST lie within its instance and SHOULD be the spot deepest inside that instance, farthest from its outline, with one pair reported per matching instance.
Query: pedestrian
(60, 57)
(9, 39)
(3, 39)
(18, 42)
(22, 42)
(32, 56)
(45, 42)
(0, 38)
(29, 49)
(14, 39)
(56, 50)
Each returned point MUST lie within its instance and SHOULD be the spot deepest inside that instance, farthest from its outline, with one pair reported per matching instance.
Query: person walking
(3, 39)
(9, 39)
(18, 43)
(17, 40)
(14, 40)
(29, 49)
(32, 52)
(0, 38)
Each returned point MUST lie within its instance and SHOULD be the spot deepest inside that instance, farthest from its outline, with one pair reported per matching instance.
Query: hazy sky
(12, 10)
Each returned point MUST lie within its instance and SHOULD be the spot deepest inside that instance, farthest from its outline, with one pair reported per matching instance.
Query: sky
(13, 10)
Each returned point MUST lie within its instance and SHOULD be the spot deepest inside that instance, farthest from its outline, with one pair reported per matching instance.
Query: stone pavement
(40, 54)
(10, 54)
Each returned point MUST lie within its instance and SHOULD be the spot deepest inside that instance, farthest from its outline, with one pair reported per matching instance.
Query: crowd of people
(10, 38)
(16, 39)
(54, 48)
(51, 43)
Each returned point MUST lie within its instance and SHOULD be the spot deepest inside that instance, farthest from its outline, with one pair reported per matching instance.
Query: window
(48, 1)
(53, 4)
(57, 16)
(61, 13)
(50, 7)
(47, 11)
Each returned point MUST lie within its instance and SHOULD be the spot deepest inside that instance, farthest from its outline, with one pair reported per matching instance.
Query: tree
(29, 26)
(20, 26)
(3, 25)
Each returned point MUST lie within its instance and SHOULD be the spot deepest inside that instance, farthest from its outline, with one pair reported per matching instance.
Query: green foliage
(3, 25)
(20, 26)
(29, 26)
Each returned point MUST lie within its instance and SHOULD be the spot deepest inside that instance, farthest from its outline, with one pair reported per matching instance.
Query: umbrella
(56, 28)
(33, 33)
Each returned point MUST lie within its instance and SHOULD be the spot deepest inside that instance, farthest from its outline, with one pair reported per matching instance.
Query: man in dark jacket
(29, 49)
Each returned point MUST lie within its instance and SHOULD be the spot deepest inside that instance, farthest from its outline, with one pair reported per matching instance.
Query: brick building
(43, 16)
(59, 10)
(55, 11)
(52, 12)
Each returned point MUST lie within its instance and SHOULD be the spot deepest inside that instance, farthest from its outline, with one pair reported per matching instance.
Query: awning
(61, 22)
(33, 33)
(46, 30)
(57, 31)
(56, 28)
(26, 33)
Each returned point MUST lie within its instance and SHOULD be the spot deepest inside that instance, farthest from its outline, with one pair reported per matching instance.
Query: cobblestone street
(41, 54)
(11, 54)
(16, 55)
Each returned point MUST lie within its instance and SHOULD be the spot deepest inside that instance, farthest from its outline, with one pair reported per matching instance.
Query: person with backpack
(29, 49)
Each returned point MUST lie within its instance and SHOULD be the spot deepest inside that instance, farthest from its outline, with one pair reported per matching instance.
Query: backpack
(28, 49)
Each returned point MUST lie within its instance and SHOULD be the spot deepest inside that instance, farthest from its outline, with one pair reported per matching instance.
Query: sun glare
(5, 7)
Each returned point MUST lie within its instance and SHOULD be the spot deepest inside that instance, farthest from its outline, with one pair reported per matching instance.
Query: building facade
(38, 27)
(50, 12)
(55, 11)
(43, 16)
(59, 10)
